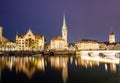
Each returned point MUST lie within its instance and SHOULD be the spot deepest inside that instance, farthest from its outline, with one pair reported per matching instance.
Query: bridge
(113, 52)
(94, 55)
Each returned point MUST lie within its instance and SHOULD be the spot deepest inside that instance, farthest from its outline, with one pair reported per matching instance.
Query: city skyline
(84, 19)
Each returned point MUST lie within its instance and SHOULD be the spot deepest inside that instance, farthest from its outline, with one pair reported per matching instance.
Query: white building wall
(22, 44)
(87, 46)
(57, 45)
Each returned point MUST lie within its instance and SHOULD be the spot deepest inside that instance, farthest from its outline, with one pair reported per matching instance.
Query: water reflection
(30, 65)
(86, 63)
(60, 63)
(93, 63)
(27, 65)
(113, 67)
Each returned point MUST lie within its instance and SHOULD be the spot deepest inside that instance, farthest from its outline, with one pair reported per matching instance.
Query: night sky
(86, 19)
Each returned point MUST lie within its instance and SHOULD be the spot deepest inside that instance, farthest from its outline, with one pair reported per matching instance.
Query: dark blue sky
(86, 19)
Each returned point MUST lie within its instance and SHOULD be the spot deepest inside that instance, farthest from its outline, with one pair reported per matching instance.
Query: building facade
(87, 45)
(29, 41)
(102, 46)
(3, 41)
(57, 43)
(10, 46)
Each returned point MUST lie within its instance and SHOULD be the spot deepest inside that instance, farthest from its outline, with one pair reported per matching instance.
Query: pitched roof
(111, 33)
(87, 40)
(57, 38)
(22, 35)
(38, 36)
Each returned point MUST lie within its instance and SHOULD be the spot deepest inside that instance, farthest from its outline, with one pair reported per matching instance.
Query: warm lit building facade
(57, 43)
(102, 46)
(29, 41)
(87, 45)
(3, 41)
(60, 42)
(10, 46)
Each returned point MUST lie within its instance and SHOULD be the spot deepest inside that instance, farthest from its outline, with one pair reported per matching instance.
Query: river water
(57, 69)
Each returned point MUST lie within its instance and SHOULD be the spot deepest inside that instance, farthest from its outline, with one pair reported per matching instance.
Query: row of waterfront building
(31, 41)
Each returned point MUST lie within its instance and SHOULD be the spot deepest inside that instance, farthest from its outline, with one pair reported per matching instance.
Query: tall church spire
(64, 22)
(64, 31)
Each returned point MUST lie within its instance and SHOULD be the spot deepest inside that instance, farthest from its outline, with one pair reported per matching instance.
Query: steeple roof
(111, 32)
(58, 38)
(29, 30)
(64, 22)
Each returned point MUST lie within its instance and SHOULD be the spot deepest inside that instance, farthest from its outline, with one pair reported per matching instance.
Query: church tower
(111, 37)
(64, 31)
(1, 35)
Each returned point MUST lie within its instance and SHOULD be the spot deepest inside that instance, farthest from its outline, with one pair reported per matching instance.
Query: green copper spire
(64, 23)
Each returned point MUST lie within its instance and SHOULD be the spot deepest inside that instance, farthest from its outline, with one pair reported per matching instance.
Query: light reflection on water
(90, 63)
(30, 65)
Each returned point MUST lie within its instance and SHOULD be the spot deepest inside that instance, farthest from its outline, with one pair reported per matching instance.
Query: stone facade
(10, 46)
(87, 45)
(3, 41)
(29, 41)
(58, 43)
(102, 46)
